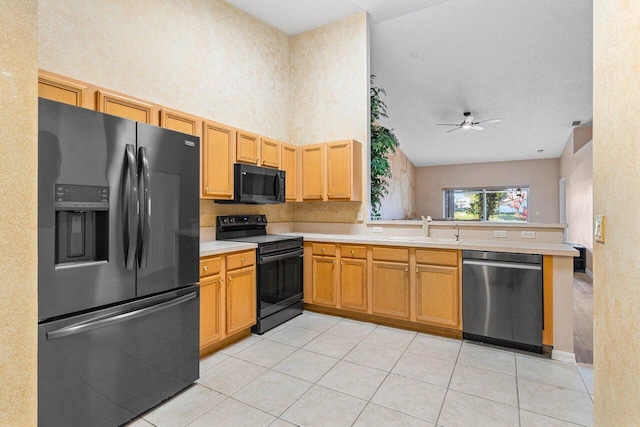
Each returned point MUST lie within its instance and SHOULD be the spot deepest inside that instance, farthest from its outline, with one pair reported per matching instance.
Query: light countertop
(557, 249)
(488, 224)
(218, 247)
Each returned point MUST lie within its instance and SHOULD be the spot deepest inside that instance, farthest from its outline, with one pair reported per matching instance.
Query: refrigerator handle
(145, 209)
(130, 208)
(102, 322)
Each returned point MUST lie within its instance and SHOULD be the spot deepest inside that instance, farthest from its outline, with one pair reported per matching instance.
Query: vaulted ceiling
(526, 62)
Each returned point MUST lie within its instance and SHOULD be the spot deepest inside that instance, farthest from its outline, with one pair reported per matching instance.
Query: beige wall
(18, 216)
(400, 202)
(616, 179)
(540, 175)
(576, 166)
(330, 101)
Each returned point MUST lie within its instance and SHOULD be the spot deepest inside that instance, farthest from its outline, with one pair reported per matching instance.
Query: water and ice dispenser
(82, 223)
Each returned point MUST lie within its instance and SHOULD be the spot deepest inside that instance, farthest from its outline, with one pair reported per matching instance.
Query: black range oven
(279, 275)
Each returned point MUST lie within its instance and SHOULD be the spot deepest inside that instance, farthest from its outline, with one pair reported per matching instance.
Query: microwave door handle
(130, 208)
(277, 186)
(145, 208)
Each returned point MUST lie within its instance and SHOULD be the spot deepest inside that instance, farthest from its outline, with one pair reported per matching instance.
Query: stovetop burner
(253, 229)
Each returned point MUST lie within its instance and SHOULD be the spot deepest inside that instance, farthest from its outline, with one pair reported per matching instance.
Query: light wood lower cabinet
(353, 284)
(227, 297)
(323, 280)
(391, 293)
(241, 299)
(438, 295)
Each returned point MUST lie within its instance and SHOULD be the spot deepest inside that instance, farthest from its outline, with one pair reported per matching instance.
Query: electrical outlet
(499, 233)
(377, 229)
(528, 234)
(360, 216)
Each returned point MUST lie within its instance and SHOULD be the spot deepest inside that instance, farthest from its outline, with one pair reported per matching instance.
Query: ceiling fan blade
(490, 121)
(476, 127)
(456, 128)
(447, 124)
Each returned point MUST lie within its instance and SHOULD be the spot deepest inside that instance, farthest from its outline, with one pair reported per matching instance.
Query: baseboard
(589, 272)
(563, 356)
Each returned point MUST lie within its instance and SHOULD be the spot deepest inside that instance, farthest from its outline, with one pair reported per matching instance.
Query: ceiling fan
(468, 123)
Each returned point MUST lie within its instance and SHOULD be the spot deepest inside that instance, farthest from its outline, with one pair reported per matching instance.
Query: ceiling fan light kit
(468, 123)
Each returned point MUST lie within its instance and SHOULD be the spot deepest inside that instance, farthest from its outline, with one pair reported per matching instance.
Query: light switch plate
(528, 234)
(598, 233)
(499, 233)
(360, 216)
(377, 229)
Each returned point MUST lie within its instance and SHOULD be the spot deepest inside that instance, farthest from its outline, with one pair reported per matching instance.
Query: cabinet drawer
(241, 259)
(210, 266)
(391, 254)
(324, 249)
(449, 258)
(353, 252)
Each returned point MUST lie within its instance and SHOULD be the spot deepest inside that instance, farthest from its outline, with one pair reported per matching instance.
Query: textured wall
(204, 57)
(400, 202)
(18, 216)
(577, 168)
(540, 175)
(330, 100)
(616, 179)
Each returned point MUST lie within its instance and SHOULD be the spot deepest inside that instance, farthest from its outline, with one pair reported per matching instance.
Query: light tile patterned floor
(319, 370)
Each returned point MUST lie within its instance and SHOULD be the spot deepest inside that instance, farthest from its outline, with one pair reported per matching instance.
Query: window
(486, 204)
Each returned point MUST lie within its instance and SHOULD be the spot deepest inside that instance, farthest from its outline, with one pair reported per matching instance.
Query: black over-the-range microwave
(257, 185)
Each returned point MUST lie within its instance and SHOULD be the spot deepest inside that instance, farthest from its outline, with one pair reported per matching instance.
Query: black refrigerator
(118, 250)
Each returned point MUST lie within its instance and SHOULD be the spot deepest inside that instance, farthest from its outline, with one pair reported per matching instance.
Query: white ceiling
(527, 62)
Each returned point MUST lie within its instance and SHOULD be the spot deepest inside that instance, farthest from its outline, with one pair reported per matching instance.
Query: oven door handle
(264, 259)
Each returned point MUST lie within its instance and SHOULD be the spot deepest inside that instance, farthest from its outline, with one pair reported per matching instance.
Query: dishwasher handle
(499, 264)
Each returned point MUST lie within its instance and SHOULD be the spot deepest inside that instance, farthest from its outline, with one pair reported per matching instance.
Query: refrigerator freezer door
(168, 243)
(82, 150)
(106, 367)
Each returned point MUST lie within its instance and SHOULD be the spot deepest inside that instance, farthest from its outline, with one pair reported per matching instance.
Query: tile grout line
(449, 383)
(515, 357)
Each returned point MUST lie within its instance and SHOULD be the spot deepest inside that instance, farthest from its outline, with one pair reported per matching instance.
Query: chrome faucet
(457, 228)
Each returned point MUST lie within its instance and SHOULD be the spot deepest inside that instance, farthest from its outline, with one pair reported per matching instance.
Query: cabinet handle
(221, 280)
(242, 260)
(206, 189)
(332, 262)
(352, 252)
(321, 249)
(341, 262)
(406, 269)
(230, 278)
(416, 269)
(205, 268)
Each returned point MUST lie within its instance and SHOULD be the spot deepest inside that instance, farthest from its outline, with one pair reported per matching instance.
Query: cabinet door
(289, 164)
(313, 172)
(125, 107)
(270, 153)
(218, 143)
(438, 296)
(323, 282)
(240, 289)
(247, 148)
(390, 282)
(210, 311)
(339, 170)
(353, 284)
(180, 122)
(62, 90)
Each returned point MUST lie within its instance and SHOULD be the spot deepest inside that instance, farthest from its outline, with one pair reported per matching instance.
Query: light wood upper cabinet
(270, 153)
(313, 172)
(240, 289)
(218, 152)
(180, 122)
(61, 89)
(289, 164)
(128, 108)
(247, 147)
(344, 170)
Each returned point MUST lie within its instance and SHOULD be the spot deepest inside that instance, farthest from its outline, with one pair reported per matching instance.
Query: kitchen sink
(449, 240)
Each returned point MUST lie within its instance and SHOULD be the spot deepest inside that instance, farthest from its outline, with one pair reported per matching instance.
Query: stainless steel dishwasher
(502, 299)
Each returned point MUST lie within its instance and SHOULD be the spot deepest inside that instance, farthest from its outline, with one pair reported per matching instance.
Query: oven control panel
(241, 220)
